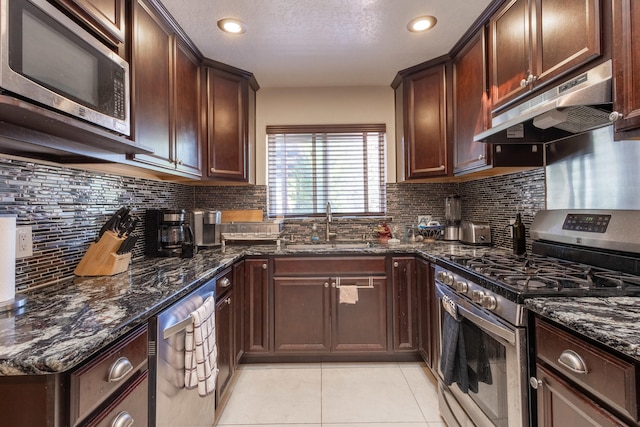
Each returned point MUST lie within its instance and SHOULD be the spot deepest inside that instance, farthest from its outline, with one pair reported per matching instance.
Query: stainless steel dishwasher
(170, 403)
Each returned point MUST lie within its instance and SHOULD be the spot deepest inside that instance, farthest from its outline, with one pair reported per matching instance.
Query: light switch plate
(24, 241)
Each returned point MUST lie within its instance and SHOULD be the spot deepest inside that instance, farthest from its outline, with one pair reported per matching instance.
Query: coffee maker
(168, 234)
(206, 227)
(452, 218)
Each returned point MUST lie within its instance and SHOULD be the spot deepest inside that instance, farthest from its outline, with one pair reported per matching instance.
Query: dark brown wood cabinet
(578, 383)
(111, 383)
(471, 106)
(404, 314)
(425, 311)
(227, 115)
(533, 42)
(165, 94)
(311, 313)
(626, 62)
(239, 312)
(224, 341)
(104, 17)
(256, 306)
(422, 121)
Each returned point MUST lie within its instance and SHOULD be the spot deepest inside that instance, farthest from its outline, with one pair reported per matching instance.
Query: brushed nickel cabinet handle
(123, 419)
(264, 266)
(615, 116)
(225, 282)
(535, 383)
(119, 369)
(395, 264)
(573, 361)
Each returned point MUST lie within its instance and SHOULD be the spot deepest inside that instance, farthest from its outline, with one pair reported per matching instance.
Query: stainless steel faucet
(329, 219)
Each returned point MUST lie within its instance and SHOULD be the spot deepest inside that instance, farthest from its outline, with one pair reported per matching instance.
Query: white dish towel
(200, 349)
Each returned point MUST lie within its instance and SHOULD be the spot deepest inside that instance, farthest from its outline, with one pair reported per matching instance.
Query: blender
(452, 217)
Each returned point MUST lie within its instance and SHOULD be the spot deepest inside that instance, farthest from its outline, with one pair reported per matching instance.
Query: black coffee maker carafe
(167, 233)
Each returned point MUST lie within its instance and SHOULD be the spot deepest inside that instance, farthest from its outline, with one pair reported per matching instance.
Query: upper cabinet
(532, 42)
(422, 121)
(471, 106)
(105, 17)
(229, 104)
(626, 62)
(166, 94)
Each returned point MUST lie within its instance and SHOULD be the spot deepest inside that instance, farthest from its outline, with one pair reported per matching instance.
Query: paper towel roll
(7, 257)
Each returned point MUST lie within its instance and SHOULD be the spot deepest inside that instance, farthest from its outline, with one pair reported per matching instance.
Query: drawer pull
(120, 369)
(572, 361)
(225, 282)
(123, 419)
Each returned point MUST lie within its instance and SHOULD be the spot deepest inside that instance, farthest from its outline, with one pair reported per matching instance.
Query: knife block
(101, 258)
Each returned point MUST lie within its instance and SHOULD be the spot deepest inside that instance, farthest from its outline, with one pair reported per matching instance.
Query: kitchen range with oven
(485, 335)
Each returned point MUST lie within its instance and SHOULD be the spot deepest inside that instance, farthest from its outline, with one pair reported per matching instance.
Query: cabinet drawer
(92, 383)
(329, 266)
(129, 408)
(609, 378)
(224, 283)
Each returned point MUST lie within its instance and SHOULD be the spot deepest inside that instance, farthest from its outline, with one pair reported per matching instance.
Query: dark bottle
(519, 241)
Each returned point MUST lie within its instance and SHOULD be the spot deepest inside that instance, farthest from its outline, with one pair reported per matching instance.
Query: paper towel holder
(15, 305)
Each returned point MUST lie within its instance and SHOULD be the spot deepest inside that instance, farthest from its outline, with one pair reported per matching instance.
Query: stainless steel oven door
(496, 362)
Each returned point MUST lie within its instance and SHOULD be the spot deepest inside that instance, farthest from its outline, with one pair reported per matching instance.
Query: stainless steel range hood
(575, 106)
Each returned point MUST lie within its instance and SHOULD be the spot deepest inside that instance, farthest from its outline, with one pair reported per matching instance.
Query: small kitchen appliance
(452, 217)
(167, 233)
(475, 233)
(206, 227)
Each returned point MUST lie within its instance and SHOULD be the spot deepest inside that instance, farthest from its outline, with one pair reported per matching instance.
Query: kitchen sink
(312, 246)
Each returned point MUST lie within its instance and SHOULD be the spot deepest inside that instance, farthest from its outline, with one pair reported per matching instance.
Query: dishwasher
(170, 403)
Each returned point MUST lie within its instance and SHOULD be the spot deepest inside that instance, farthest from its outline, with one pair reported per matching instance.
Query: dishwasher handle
(182, 324)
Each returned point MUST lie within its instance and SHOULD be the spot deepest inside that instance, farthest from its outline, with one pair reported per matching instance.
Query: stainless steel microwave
(47, 59)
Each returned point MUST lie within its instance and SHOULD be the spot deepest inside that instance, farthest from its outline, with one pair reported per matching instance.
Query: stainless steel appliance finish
(167, 233)
(172, 404)
(494, 351)
(577, 105)
(592, 171)
(452, 217)
(206, 227)
(48, 59)
(475, 233)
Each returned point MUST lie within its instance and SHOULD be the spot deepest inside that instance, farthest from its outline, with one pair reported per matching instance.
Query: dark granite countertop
(64, 324)
(610, 321)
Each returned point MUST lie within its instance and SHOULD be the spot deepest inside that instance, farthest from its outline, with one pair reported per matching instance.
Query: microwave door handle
(488, 326)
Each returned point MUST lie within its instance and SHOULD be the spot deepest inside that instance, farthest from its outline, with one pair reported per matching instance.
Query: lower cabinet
(579, 384)
(405, 324)
(225, 331)
(425, 312)
(256, 306)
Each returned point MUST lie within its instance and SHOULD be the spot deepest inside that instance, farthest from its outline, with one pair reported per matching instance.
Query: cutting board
(242, 215)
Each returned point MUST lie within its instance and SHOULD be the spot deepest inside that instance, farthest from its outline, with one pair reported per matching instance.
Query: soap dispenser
(315, 238)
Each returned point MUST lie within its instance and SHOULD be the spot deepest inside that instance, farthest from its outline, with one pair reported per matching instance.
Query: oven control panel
(591, 223)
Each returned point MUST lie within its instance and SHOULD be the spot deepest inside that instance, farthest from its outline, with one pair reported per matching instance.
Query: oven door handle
(489, 326)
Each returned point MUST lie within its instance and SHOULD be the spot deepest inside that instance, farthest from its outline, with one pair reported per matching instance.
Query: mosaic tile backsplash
(66, 208)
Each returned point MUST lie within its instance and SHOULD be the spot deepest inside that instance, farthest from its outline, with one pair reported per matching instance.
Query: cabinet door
(471, 106)
(509, 51)
(302, 314)
(239, 312)
(626, 62)
(404, 303)
(566, 34)
(224, 342)
(424, 297)
(188, 129)
(130, 407)
(226, 125)
(107, 17)
(152, 50)
(360, 327)
(562, 405)
(256, 306)
(426, 124)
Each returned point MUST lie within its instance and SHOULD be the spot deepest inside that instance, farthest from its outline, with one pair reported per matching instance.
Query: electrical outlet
(511, 222)
(24, 241)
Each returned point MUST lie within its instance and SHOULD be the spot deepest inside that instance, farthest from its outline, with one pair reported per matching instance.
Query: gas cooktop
(537, 275)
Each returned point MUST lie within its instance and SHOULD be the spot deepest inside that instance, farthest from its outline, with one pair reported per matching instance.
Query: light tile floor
(334, 395)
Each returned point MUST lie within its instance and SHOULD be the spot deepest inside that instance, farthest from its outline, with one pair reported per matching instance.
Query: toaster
(475, 233)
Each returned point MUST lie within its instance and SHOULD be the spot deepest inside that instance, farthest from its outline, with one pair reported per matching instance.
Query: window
(312, 165)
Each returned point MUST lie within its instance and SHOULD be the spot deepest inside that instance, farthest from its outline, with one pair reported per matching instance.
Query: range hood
(575, 106)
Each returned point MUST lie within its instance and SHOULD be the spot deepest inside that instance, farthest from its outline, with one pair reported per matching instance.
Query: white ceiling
(305, 43)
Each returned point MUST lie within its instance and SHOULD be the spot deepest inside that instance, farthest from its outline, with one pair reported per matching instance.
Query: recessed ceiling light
(422, 23)
(233, 26)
